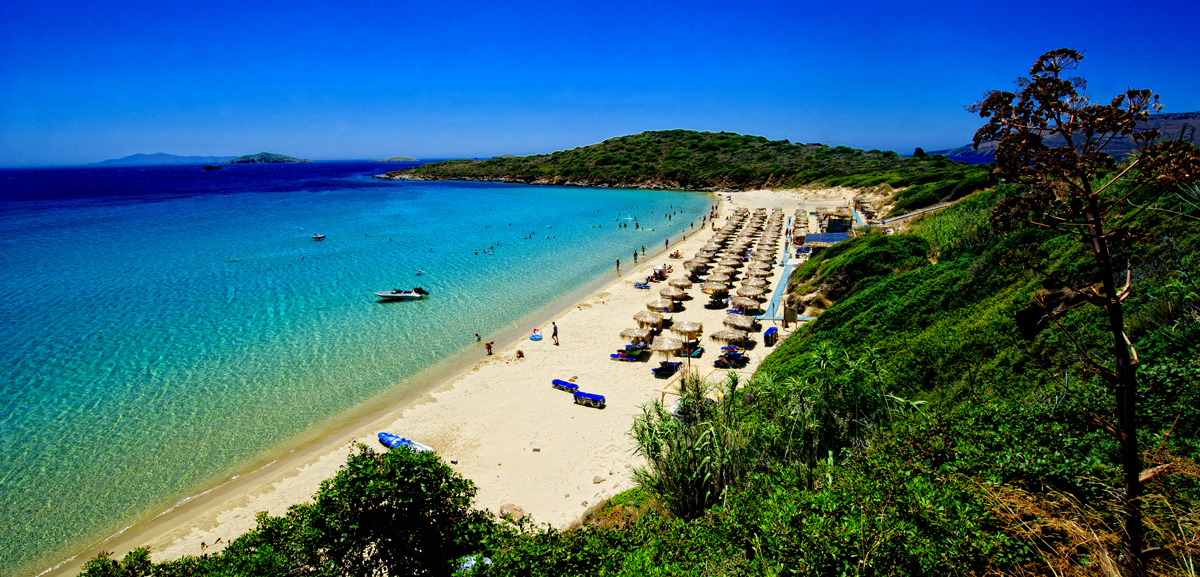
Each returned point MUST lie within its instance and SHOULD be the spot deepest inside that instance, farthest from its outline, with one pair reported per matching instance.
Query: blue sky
(87, 81)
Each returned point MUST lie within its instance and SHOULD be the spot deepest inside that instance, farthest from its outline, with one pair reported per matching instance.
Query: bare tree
(1067, 191)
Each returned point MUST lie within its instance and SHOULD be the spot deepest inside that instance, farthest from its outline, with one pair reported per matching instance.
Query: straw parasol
(758, 282)
(689, 329)
(719, 278)
(661, 304)
(648, 318)
(740, 322)
(750, 291)
(682, 283)
(672, 293)
(730, 336)
(714, 288)
(723, 270)
(760, 272)
(666, 345)
(694, 265)
(746, 302)
(640, 333)
(730, 261)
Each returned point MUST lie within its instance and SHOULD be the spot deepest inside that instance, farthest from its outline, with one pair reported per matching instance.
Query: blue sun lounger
(564, 385)
(589, 399)
(631, 356)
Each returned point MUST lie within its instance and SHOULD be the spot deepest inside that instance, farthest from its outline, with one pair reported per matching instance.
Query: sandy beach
(521, 441)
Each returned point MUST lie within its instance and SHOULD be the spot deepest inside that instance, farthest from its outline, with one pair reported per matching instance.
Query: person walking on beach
(554, 335)
(488, 346)
(643, 250)
(635, 256)
(666, 243)
(618, 266)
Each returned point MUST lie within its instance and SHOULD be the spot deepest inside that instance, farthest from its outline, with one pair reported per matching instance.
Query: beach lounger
(564, 385)
(625, 356)
(641, 285)
(666, 368)
(737, 310)
(589, 399)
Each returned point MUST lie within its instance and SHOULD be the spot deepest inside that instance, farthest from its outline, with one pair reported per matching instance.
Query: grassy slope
(711, 160)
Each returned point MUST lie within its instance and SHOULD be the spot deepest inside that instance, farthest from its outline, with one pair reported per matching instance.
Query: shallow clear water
(165, 326)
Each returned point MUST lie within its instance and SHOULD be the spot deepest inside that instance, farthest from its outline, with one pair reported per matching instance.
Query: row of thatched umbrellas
(716, 284)
(759, 267)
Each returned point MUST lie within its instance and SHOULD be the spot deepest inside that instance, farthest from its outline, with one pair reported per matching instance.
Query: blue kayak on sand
(392, 441)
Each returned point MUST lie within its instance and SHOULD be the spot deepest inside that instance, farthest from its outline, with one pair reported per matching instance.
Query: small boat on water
(402, 295)
(393, 441)
(318, 237)
(212, 167)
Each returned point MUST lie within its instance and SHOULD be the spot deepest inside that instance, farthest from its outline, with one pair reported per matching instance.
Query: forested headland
(691, 160)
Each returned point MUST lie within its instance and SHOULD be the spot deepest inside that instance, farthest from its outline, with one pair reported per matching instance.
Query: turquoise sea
(166, 327)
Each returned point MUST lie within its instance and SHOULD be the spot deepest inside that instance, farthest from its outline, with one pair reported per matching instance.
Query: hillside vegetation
(687, 159)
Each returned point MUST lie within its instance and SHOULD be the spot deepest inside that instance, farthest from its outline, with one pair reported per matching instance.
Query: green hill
(397, 159)
(266, 158)
(691, 160)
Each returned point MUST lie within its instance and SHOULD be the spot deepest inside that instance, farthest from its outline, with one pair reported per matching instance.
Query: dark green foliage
(135, 564)
(397, 513)
(719, 160)
(393, 513)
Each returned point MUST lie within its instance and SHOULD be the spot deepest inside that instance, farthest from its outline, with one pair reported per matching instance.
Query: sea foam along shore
(491, 415)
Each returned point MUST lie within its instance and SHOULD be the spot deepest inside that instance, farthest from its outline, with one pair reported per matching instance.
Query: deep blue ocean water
(164, 327)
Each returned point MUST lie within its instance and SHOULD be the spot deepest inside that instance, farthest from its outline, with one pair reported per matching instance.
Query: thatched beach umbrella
(719, 278)
(711, 247)
(682, 283)
(689, 329)
(746, 302)
(723, 270)
(739, 322)
(730, 336)
(666, 346)
(661, 304)
(648, 318)
(714, 288)
(672, 293)
(694, 265)
(758, 282)
(750, 291)
(730, 261)
(760, 272)
(640, 333)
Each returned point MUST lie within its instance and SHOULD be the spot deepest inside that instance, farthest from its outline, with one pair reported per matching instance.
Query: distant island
(720, 161)
(161, 158)
(398, 159)
(1173, 124)
(266, 158)
(505, 156)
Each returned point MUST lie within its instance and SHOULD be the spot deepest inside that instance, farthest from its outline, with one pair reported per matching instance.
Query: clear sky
(87, 81)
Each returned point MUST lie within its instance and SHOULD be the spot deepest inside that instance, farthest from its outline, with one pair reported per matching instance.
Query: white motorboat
(402, 295)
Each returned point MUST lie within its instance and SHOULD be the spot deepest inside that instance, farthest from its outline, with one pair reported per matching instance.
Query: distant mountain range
(162, 158)
(1171, 124)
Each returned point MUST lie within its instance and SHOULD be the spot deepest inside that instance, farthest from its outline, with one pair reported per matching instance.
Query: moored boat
(402, 295)
(318, 237)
